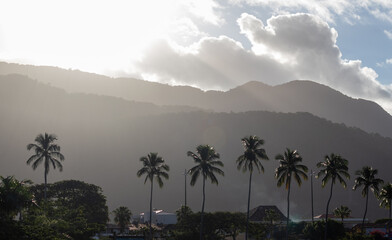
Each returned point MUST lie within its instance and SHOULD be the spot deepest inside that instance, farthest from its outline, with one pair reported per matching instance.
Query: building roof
(259, 213)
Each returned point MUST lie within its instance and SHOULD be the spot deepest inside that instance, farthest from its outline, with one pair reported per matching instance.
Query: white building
(159, 217)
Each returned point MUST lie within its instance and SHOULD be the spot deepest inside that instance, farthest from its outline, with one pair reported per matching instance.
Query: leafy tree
(367, 179)
(206, 165)
(218, 225)
(248, 161)
(289, 166)
(316, 230)
(122, 217)
(257, 231)
(342, 212)
(385, 197)
(183, 213)
(153, 166)
(46, 151)
(333, 167)
(14, 196)
(271, 216)
(74, 194)
(230, 224)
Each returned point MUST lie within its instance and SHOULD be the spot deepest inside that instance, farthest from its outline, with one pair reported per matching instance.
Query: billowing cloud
(212, 63)
(389, 61)
(288, 47)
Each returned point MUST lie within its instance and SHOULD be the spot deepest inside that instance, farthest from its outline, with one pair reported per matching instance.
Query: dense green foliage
(218, 225)
(73, 210)
(316, 230)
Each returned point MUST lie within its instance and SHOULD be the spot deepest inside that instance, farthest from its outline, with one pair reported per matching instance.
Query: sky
(212, 45)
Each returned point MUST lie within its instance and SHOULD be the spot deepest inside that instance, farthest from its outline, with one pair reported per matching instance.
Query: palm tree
(385, 197)
(367, 179)
(153, 166)
(122, 217)
(289, 166)
(333, 167)
(342, 212)
(207, 165)
(45, 151)
(249, 160)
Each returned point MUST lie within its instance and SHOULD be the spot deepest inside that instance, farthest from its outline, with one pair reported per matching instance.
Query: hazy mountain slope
(320, 100)
(103, 142)
(296, 96)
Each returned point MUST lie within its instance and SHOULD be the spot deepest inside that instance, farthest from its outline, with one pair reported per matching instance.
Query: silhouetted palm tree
(342, 212)
(250, 160)
(153, 166)
(385, 197)
(46, 151)
(289, 166)
(122, 217)
(367, 179)
(334, 167)
(207, 165)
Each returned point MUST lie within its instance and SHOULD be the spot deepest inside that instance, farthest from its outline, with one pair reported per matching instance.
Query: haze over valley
(103, 138)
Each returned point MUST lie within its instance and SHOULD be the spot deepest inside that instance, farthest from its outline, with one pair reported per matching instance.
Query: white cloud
(388, 33)
(389, 61)
(306, 43)
(203, 9)
(350, 10)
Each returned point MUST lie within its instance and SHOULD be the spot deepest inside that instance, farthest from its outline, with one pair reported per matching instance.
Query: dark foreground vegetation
(77, 210)
(73, 210)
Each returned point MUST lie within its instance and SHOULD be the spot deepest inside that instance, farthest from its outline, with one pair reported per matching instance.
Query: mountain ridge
(294, 96)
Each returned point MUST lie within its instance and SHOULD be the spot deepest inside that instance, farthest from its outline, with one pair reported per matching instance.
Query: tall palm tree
(333, 167)
(46, 151)
(206, 165)
(289, 166)
(153, 166)
(122, 217)
(367, 179)
(385, 197)
(250, 160)
(342, 212)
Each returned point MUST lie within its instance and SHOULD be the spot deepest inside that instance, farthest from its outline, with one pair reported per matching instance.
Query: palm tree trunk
(152, 183)
(202, 209)
(288, 212)
(364, 215)
(326, 213)
(247, 213)
(389, 222)
(45, 184)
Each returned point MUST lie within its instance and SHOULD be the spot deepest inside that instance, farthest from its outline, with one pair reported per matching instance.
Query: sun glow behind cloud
(89, 35)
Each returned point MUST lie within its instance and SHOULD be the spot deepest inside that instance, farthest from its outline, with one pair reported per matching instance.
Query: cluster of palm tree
(333, 168)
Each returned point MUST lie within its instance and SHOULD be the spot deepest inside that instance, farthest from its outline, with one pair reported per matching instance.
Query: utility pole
(311, 192)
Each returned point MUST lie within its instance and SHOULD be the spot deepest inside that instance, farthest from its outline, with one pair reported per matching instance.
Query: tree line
(333, 169)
